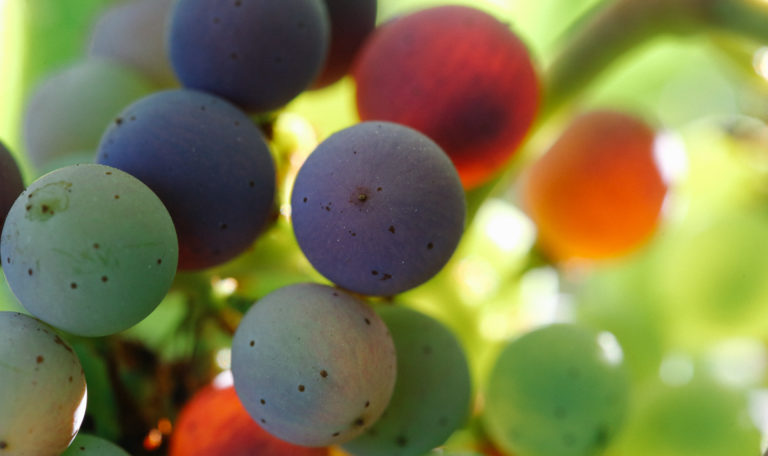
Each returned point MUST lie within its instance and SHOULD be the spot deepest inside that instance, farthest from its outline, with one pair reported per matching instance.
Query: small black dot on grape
(359, 422)
(263, 421)
(305, 199)
(108, 173)
(367, 404)
(252, 343)
(251, 184)
(301, 388)
(159, 261)
(29, 271)
(45, 208)
(401, 441)
(223, 226)
(354, 152)
(262, 401)
(117, 197)
(324, 373)
(40, 359)
(104, 278)
(391, 229)
(95, 245)
(335, 434)
(73, 285)
(3, 445)
(378, 189)
(430, 246)
(367, 321)
(119, 121)
(374, 272)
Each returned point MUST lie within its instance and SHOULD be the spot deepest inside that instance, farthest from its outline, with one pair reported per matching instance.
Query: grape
(69, 111)
(91, 445)
(214, 423)
(11, 183)
(89, 249)
(133, 32)
(351, 22)
(259, 55)
(378, 208)
(432, 390)
(459, 76)
(554, 391)
(42, 388)
(313, 365)
(597, 193)
(207, 162)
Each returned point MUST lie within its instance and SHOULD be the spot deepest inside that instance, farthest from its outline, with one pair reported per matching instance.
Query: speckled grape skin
(42, 388)
(378, 208)
(134, 32)
(69, 111)
(208, 163)
(91, 445)
(257, 54)
(313, 365)
(89, 249)
(552, 393)
(432, 391)
(11, 183)
(351, 22)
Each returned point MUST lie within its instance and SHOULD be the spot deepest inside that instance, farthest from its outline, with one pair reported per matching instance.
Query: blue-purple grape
(91, 445)
(89, 249)
(69, 111)
(351, 22)
(134, 32)
(11, 182)
(313, 365)
(555, 392)
(259, 55)
(432, 391)
(378, 208)
(42, 388)
(208, 163)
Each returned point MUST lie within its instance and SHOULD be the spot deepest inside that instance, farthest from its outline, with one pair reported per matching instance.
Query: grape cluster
(159, 174)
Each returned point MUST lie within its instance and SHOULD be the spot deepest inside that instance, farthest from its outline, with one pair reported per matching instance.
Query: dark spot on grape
(352, 233)
(73, 285)
(367, 321)
(45, 208)
(159, 261)
(427, 350)
(119, 121)
(95, 245)
(57, 339)
(104, 279)
(108, 173)
(29, 271)
(251, 184)
(262, 401)
(386, 276)
(252, 343)
(362, 197)
(238, 3)
(3, 444)
(28, 207)
(324, 373)
(367, 404)
(430, 246)
(359, 422)
(305, 199)
(263, 421)
(335, 434)
(391, 229)
(117, 197)
(374, 272)
(82, 448)
(378, 189)
(301, 388)
(354, 152)
(401, 441)
(223, 226)
(40, 359)
(232, 56)
(70, 379)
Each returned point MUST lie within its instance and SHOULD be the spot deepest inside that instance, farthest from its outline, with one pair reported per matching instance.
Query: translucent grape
(91, 445)
(432, 390)
(555, 392)
(207, 162)
(378, 208)
(259, 55)
(313, 365)
(42, 388)
(89, 249)
(69, 111)
(133, 32)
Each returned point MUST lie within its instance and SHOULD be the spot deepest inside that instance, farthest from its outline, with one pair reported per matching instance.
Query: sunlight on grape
(738, 362)
(676, 370)
(506, 226)
(223, 380)
(542, 303)
(758, 411)
(609, 348)
(223, 287)
(477, 279)
(224, 358)
(285, 210)
(670, 156)
(760, 62)
(77, 419)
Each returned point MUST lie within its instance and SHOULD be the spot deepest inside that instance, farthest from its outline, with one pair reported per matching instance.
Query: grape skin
(11, 183)
(91, 445)
(432, 391)
(69, 111)
(378, 208)
(134, 33)
(42, 388)
(258, 55)
(78, 256)
(552, 392)
(207, 162)
(313, 365)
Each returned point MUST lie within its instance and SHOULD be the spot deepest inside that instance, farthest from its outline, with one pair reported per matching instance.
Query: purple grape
(207, 162)
(257, 54)
(378, 208)
(351, 22)
(11, 183)
(313, 365)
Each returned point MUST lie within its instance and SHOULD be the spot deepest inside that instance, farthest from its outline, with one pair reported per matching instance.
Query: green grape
(555, 392)
(89, 249)
(42, 388)
(699, 418)
(91, 445)
(432, 390)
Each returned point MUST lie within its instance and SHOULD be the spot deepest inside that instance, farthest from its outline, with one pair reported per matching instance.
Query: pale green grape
(555, 392)
(91, 445)
(432, 391)
(42, 388)
(89, 249)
